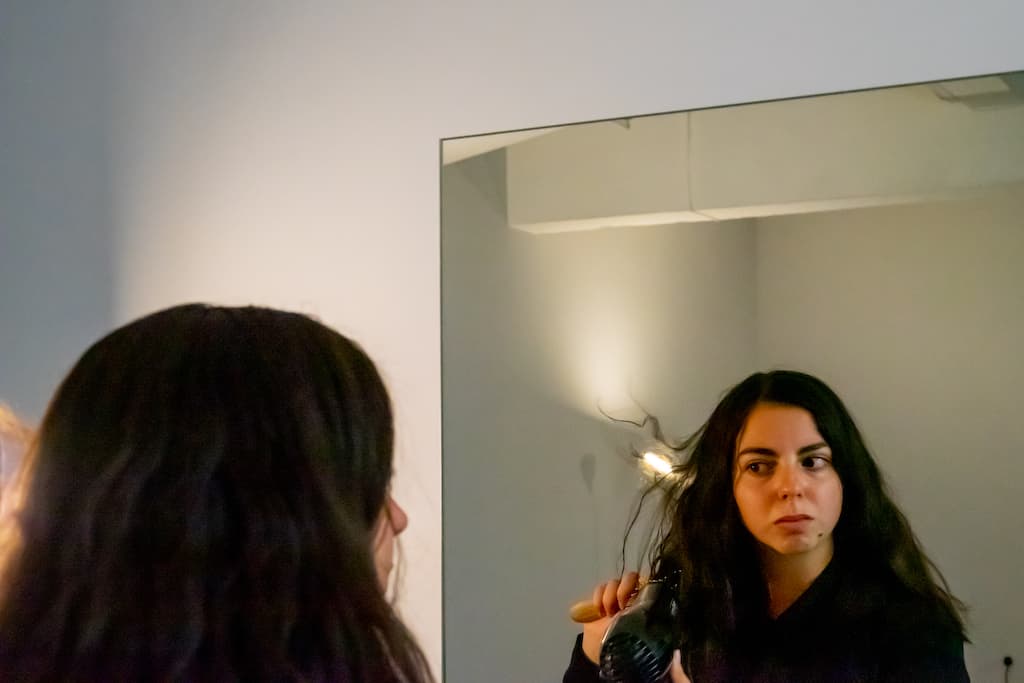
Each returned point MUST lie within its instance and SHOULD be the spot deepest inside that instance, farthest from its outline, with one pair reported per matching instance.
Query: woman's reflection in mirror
(793, 561)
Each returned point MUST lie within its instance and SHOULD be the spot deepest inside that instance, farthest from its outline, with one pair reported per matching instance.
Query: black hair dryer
(638, 646)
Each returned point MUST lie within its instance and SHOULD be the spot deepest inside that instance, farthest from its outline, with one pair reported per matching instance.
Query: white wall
(58, 243)
(915, 315)
(537, 330)
(287, 153)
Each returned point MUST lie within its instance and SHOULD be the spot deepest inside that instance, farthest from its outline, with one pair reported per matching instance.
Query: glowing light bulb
(657, 462)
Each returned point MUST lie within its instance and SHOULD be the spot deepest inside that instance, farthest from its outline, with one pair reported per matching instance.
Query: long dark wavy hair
(199, 504)
(703, 544)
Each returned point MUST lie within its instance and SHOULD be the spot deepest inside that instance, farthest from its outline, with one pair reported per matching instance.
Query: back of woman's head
(199, 504)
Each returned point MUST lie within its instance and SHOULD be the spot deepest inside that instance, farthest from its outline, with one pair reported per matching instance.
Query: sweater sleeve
(581, 669)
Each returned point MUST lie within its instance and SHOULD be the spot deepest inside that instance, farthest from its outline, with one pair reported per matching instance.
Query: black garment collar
(808, 606)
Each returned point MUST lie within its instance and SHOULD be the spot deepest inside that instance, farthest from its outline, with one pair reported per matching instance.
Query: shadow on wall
(57, 243)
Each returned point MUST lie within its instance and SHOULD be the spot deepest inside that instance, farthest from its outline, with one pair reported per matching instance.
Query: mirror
(875, 239)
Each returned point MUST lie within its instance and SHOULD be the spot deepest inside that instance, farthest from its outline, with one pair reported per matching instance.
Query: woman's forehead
(778, 423)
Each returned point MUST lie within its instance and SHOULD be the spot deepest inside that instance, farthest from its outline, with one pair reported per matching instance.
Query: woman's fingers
(626, 589)
(584, 612)
(676, 670)
(599, 598)
(610, 597)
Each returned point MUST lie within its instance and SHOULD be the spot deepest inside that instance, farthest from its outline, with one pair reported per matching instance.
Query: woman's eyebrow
(758, 450)
(761, 450)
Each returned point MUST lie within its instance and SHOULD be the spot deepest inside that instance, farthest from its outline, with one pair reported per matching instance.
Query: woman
(792, 562)
(207, 499)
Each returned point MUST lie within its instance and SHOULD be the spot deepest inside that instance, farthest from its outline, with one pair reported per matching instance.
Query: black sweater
(843, 629)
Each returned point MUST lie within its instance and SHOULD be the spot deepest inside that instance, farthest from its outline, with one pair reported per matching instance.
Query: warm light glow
(657, 462)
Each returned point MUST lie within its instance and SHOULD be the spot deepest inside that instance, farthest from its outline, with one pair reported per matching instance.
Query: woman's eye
(757, 467)
(815, 462)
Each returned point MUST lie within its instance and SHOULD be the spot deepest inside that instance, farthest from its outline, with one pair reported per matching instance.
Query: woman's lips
(793, 519)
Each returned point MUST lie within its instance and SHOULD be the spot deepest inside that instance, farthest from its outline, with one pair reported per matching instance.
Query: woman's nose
(791, 481)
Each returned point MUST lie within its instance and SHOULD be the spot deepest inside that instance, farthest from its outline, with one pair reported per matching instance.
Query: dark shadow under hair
(701, 540)
(199, 504)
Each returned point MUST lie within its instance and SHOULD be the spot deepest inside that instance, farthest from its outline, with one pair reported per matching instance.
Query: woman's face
(391, 523)
(788, 493)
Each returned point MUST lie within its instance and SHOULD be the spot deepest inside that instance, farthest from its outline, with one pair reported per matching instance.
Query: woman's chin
(384, 576)
(792, 547)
